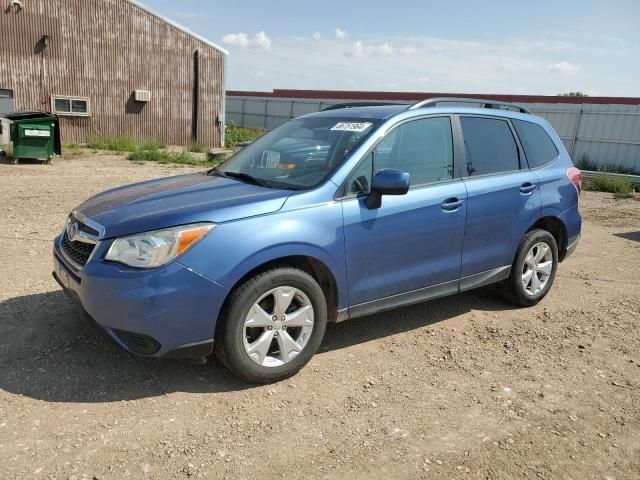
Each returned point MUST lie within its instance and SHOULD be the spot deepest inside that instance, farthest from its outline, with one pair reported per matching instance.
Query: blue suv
(333, 215)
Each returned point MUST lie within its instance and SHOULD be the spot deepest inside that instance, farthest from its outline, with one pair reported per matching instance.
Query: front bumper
(169, 311)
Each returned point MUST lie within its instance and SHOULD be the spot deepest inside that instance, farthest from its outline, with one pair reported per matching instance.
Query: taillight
(575, 176)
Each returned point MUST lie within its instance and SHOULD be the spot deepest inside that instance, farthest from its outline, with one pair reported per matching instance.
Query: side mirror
(387, 181)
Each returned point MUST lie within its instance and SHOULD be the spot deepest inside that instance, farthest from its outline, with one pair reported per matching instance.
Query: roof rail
(432, 102)
(340, 106)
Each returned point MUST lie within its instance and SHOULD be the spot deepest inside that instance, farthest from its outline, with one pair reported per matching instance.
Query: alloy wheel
(538, 265)
(278, 326)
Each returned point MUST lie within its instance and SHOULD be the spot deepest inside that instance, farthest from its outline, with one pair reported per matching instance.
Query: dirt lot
(464, 387)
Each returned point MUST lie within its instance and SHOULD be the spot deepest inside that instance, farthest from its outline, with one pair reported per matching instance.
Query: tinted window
(489, 146)
(538, 147)
(423, 148)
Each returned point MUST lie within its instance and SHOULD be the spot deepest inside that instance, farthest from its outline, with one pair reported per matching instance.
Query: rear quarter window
(538, 147)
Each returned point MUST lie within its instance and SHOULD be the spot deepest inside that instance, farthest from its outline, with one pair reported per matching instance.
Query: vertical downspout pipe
(196, 96)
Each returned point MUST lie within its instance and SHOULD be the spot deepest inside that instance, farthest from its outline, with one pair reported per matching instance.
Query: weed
(163, 157)
(71, 150)
(235, 135)
(123, 144)
(611, 184)
(195, 147)
(584, 163)
(624, 195)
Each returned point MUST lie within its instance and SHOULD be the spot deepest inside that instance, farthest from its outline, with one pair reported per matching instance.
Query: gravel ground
(464, 387)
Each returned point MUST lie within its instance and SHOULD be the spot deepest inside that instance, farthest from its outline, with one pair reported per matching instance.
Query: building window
(73, 106)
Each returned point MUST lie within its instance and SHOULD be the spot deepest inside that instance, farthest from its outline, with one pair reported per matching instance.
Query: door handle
(451, 204)
(527, 187)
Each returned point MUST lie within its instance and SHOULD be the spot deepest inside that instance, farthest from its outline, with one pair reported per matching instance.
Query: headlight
(157, 248)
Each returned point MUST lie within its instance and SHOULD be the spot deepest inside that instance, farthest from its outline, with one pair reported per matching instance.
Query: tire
(513, 288)
(237, 345)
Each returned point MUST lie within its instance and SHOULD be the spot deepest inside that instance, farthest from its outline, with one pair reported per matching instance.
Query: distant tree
(573, 94)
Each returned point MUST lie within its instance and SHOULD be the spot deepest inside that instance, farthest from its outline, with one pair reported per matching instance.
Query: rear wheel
(272, 325)
(533, 270)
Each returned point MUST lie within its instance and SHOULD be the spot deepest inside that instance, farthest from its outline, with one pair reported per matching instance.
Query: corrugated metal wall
(606, 134)
(104, 50)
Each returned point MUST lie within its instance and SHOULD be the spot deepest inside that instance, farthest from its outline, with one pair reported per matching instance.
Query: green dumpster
(34, 135)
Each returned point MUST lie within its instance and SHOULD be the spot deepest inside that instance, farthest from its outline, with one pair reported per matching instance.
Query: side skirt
(424, 294)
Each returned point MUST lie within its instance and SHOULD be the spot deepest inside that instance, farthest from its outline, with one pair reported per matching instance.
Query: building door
(6, 101)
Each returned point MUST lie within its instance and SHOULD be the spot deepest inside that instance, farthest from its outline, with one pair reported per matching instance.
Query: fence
(605, 134)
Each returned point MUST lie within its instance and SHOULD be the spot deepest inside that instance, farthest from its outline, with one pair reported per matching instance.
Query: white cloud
(515, 66)
(356, 50)
(239, 39)
(317, 36)
(242, 40)
(424, 79)
(563, 67)
(360, 49)
(384, 49)
(263, 41)
(341, 34)
(408, 50)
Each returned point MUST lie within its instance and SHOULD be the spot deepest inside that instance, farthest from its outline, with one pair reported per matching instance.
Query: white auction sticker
(37, 133)
(351, 126)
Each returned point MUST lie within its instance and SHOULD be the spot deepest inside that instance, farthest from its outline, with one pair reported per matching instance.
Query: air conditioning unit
(142, 95)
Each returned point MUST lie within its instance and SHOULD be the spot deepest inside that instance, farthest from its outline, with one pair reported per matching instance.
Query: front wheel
(272, 325)
(533, 270)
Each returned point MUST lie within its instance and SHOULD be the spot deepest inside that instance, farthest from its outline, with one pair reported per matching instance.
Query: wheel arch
(556, 227)
(315, 267)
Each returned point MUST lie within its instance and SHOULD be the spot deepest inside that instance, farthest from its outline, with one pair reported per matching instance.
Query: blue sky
(535, 47)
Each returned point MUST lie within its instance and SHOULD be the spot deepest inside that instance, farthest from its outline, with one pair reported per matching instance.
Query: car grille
(79, 252)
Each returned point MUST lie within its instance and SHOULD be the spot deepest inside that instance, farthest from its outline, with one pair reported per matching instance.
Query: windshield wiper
(241, 176)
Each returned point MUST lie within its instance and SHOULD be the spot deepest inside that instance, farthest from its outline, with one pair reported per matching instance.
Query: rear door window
(489, 146)
(538, 147)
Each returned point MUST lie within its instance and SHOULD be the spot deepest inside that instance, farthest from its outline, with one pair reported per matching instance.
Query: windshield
(299, 154)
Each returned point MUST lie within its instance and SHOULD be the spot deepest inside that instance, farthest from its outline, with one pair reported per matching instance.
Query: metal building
(110, 68)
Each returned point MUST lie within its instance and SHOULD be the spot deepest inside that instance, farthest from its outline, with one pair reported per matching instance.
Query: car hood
(171, 201)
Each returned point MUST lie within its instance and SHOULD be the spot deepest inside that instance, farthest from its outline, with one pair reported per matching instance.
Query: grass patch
(624, 195)
(123, 144)
(611, 184)
(585, 164)
(163, 157)
(195, 147)
(234, 135)
(71, 150)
